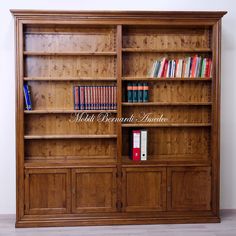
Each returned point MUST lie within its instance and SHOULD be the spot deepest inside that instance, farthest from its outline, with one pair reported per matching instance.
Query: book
(143, 138)
(27, 96)
(130, 92)
(115, 97)
(140, 92)
(145, 92)
(76, 98)
(135, 92)
(136, 145)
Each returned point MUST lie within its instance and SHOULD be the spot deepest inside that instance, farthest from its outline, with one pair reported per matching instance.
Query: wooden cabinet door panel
(47, 191)
(144, 189)
(189, 188)
(94, 189)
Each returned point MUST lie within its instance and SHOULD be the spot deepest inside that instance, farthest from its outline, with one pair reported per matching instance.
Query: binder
(136, 145)
(143, 145)
(145, 92)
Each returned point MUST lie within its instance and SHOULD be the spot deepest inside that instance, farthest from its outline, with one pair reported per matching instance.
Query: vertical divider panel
(215, 132)
(119, 111)
(19, 119)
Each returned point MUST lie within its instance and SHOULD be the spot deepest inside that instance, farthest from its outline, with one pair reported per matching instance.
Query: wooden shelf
(154, 79)
(69, 163)
(167, 103)
(167, 50)
(67, 111)
(67, 136)
(175, 160)
(167, 125)
(34, 53)
(69, 79)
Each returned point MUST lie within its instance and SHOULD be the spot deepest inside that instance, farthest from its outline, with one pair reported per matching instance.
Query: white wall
(7, 81)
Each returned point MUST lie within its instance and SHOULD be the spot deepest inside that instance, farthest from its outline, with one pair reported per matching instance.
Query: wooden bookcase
(79, 173)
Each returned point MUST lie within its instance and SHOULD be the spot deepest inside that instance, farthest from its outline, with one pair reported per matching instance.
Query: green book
(145, 92)
(135, 92)
(130, 92)
(140, 92)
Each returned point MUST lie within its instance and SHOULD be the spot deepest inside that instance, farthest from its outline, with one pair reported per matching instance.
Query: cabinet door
(93, 189)
(47, 191)
(189, 188)
(144, 189)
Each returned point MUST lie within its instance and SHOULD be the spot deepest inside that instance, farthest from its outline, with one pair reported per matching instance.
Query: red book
(193, 67)
(76, 97)
(136, 145)
(207, 67)
(165, 69)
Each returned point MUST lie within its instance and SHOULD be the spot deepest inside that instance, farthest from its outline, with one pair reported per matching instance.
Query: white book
(153, 69)
(143, 145)
(179, 68)
(161, 67)
(173, 69)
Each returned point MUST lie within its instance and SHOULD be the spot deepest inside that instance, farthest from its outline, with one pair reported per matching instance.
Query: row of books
(137, 92)
(138, 145)
(95, 97)
(192, 67)
(27, 97)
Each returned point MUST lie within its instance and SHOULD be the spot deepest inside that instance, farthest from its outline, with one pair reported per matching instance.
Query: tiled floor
(226, 228)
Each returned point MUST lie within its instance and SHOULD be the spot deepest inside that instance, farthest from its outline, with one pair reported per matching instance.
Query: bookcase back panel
(68, 124)
(56, 95)
(74, 66)
(173, 114)
(166, 38)
(74, 149)
(181, 143)
(180, 91)
(79, 39)
(137, 64)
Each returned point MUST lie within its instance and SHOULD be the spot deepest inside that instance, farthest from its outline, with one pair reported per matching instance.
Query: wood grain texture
(80, 173)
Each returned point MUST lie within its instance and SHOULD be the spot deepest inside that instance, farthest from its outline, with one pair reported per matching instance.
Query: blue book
(27, 97)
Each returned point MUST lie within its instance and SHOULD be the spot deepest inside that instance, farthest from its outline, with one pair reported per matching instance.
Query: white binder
(143, 145)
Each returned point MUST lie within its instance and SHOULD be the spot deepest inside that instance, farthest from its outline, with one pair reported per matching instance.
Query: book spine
(165, 69)
(130, 92)
(145, 92)
(99, 97)
(85, 97)
(157, 68)
(135, 92)
(94, 98)
(115, 97)
(81, 98)
(29, 97)
(140, 92)
(76, 97)
(91, 98)
(143, 139)
(136, 145)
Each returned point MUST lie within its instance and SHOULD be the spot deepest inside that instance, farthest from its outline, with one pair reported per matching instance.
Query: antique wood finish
(80, 173)
(47, 191)
(189, 188)
(144, 189)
